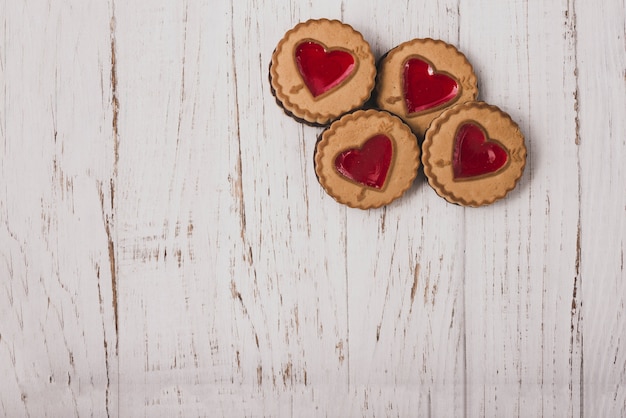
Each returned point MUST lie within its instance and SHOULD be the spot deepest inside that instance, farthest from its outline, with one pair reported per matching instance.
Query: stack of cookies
(323, 73)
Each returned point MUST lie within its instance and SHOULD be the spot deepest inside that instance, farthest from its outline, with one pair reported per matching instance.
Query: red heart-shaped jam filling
(322, 70)
(474, 155)
(424, 88)
(368, 165)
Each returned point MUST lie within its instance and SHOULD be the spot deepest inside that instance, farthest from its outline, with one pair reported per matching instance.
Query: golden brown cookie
(322, 69)
(473, 154)
(419, 79)
(367, 159)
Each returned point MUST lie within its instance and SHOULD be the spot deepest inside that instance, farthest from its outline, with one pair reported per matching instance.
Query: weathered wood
(58, 354)
(166, 249)
(523, 351)
(601, 101)
(405, 271)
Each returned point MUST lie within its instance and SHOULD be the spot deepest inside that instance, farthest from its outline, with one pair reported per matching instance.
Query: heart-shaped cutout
(424, 88)
(320, 69)
(474, 155)
(368, 165)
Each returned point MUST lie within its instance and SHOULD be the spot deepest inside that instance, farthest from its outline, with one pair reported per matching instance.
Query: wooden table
(166, 249)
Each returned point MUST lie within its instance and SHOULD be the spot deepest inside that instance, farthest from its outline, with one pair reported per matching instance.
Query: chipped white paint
(166, 250)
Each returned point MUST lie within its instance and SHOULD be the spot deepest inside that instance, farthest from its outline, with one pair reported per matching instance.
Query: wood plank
(296, 235)
(57, 334)
(602, 136)
(523, 357)
(405, 282)
(226, 281)
(180, 224)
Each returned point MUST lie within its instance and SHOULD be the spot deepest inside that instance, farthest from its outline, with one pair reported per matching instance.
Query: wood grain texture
(520, 261)
(601, 102)
(166, 249)
(57, 334)
(405, 280)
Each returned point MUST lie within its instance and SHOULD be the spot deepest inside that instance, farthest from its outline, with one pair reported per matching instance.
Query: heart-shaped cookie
(322, 69)
(419, 79)
(367, 159)
(425, 88)
(369, 164)
(474, 155)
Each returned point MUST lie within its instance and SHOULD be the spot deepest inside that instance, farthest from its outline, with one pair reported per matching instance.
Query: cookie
(322, 69)
(473, 154)
(419, 79)
(367, 159)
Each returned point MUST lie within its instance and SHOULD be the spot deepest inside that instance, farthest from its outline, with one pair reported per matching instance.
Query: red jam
(368, 165)
(424, 88)
(474, 155)
(322, 70)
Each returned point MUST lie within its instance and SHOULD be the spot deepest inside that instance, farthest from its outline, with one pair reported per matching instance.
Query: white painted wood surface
(166, 250)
